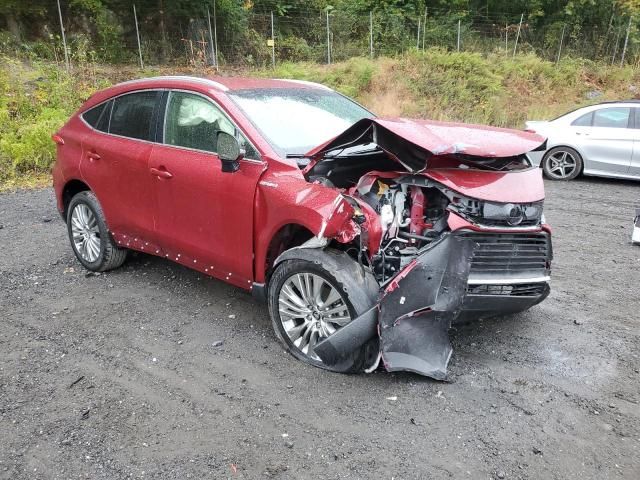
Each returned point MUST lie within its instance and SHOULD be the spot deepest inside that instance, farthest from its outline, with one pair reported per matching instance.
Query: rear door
(205, 216)
(115, 162)
(606, 139)
(634, 168)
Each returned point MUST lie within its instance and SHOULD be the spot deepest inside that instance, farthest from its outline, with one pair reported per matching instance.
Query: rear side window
(103, 122)
(584, 120)
(132, 115)
(93, 115)
(612, 117)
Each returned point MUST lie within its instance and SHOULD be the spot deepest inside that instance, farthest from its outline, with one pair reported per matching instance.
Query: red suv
(367, 237)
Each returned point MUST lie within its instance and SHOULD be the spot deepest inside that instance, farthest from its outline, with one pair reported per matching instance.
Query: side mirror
(229, 152)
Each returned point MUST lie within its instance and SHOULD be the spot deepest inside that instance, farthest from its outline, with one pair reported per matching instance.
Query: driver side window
(194, 122)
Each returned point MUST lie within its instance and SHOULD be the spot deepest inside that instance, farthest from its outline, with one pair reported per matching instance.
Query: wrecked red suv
(368, 237)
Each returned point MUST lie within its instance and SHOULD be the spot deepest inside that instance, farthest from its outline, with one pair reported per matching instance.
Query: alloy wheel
(561, 164)
(85, 231)
(311, 309)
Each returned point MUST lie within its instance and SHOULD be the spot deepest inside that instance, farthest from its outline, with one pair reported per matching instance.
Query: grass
(37, 98)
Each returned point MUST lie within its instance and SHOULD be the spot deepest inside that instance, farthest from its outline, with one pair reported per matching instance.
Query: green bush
(35, 101)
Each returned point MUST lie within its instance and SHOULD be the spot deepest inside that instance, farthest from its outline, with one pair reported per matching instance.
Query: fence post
(273, 44)
(615, 48)
(371, 34)
(560, 47)
(135, 19)
(506, 38)
(458, 35)
(64, 39)
(328, 41)
(213, 50)
(424, 26)
(626, 41)
(515, 47)
(215, 34)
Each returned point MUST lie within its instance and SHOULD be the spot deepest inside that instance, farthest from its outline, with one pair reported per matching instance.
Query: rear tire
(300, 322)
(89, 236)
(562, 163)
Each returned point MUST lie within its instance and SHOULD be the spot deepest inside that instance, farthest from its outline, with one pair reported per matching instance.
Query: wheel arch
(70, 189)
(286, 237)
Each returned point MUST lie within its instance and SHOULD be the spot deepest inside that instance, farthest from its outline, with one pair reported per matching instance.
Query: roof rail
(206, 81)
(304, 82)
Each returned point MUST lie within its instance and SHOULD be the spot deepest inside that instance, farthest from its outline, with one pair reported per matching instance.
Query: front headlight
(498, 214)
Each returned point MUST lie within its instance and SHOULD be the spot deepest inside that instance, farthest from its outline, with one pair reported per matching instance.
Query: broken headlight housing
(494, 214)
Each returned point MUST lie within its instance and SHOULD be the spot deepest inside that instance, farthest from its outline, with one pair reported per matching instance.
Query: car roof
(227, 84)
(203, 84)
(595, 106)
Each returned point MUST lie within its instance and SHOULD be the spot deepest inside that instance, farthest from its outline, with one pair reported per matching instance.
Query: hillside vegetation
(37, 98)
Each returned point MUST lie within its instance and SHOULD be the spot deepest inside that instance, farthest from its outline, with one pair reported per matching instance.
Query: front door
(205, 216)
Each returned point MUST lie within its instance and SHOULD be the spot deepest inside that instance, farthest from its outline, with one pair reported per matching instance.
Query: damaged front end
(448, 220)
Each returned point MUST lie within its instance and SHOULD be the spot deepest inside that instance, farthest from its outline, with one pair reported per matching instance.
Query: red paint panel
(477, 140)
(518, 186)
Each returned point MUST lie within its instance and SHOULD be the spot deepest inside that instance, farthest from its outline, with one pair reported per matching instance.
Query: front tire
(89, 235)
(562, 163)
(311, 300)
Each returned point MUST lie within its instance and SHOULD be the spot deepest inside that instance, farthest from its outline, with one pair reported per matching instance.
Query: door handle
(93, 156)
(160, 173)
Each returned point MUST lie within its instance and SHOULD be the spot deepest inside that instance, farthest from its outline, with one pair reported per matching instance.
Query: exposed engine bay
(412, 209)
(433, 250)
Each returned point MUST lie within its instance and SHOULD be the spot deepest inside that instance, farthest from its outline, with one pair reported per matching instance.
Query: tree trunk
(14, 26)
(163, 43)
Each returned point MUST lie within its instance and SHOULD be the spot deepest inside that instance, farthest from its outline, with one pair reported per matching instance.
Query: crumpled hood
(412, 142)
(517, 186)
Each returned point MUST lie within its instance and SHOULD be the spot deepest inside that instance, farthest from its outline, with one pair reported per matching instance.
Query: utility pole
(64, 39)
(418, 38)
(135, 18)
(328, 41)
(626, 41)
(458, 35)
(515, 47)
(371, 34)
(213, 50)
(560, 47)
(273, 44)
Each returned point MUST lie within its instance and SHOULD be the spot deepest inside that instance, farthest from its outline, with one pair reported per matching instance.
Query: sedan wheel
(562, 163)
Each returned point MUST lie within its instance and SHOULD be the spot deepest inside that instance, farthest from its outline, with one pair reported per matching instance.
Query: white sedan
(602, 140)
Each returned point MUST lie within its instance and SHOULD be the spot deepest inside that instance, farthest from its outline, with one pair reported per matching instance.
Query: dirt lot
(154, 371)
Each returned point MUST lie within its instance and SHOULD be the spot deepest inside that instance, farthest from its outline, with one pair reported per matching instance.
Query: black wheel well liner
(71, 189)
(288, 236)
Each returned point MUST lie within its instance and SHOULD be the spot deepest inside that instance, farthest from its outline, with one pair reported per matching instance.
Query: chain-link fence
(263, 38)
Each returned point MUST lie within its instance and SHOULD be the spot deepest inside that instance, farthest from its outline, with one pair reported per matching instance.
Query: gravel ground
(154, 371)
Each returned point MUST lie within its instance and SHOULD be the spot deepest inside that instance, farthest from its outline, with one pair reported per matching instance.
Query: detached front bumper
(466, 274)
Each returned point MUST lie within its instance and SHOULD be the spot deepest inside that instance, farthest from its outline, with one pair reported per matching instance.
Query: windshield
(294, 120)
